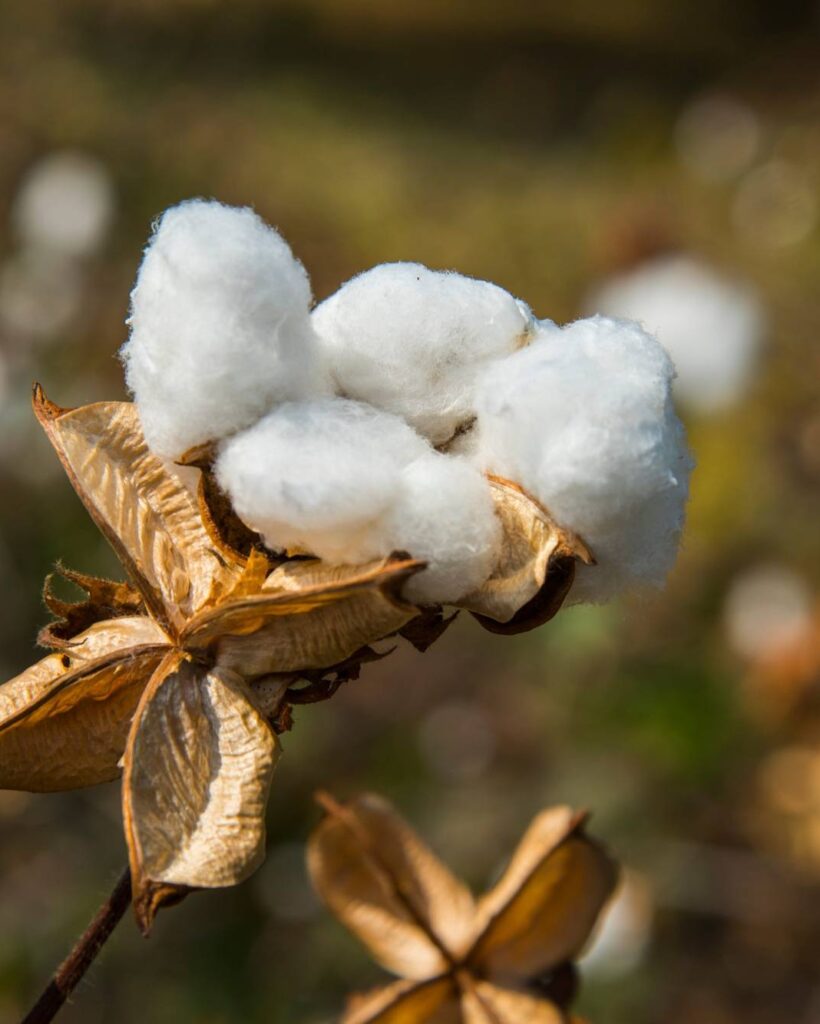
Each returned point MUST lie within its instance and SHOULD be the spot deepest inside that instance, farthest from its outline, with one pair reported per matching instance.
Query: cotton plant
(290, 487)
(506, 957)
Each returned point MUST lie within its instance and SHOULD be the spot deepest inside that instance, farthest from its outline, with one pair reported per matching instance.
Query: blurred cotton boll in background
(622, 939)
(718, 136)
(65, 204)
(767, 608)
(61, 215)
(711, 325)
(776, 205)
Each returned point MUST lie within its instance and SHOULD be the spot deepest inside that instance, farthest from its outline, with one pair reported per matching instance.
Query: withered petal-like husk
(542, 910)
(536, 567)
(389, 889)
(407, 1002)
(65, 720)
(148, 515)
(309, 615)
(198, 766)
(106, 599)
(485, 1003)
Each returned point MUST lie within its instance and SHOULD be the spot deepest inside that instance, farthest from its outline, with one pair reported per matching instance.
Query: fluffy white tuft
(444, 514)
(220, 327)
(412, 341)
(710, 325)
(319, 475)
(583, 419)
(349, 483)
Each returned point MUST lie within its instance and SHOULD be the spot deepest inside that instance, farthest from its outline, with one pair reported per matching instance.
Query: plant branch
(73, 968)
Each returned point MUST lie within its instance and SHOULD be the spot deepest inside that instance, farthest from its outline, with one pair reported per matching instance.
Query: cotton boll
(583, 419)
(220, 330)
(65, 205)
(444, 514)
(320, 475)
(710, 325)
(412, 341)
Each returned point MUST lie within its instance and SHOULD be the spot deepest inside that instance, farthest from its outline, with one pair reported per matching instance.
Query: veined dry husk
(501, 959)
(180, 679)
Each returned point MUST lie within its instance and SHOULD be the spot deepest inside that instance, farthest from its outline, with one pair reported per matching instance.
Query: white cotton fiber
(444, 514)
(710, 325)
(220, 329)
(319, 475)
(583, 419)
(412, 341)
(350, 483)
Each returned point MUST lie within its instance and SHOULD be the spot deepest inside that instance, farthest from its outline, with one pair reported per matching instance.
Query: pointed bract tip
(44, 409)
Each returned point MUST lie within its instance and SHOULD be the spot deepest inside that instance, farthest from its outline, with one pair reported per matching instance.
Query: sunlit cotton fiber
(349, 483)
(319, 475)
(711, 326)
(583, 419)
(220, 330)
(444, 514)
(412, 341)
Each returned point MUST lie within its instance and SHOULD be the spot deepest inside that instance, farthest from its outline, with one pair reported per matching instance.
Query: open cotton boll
(319, 475)
(711, 326)
(412, 341)
(583, 419)
(220, 328)
(444, 514)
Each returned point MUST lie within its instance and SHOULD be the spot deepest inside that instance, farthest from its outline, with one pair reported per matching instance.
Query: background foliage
(526, 143)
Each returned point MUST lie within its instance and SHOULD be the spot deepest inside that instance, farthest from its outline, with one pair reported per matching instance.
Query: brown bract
(501, 959)
(180, 678)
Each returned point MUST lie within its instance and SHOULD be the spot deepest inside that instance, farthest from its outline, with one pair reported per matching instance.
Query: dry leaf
(199, 762)
(147, 514)
(536, 567)
(64, 721)
(408, 1002)
(203, 623)
(388, 887)
(207, 614)
(461, 961)
(335, 611)
(544, 907)
(106, 599)
(484, 1003)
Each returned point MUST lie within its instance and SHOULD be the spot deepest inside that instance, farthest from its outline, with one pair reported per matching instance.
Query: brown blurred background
(544, 146)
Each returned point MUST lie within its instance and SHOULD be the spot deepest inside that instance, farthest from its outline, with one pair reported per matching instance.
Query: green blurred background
(543, 146)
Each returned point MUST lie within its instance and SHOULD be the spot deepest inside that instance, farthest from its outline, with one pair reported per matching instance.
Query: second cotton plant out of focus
(506, 958)
(292, 486)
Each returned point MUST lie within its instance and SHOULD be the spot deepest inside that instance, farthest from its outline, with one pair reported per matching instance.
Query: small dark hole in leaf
(66, 661)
